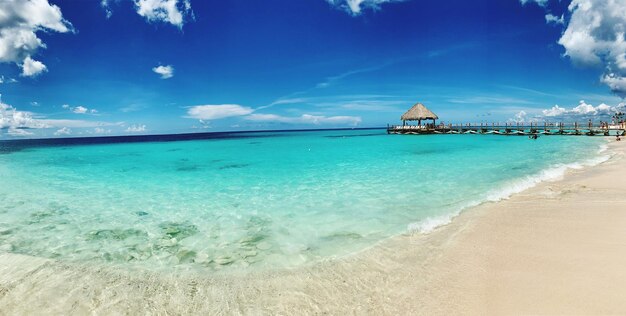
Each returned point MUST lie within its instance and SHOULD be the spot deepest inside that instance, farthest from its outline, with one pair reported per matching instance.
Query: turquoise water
(259, 200)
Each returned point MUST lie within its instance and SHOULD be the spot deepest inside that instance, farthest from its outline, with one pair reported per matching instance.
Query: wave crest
(553, 173)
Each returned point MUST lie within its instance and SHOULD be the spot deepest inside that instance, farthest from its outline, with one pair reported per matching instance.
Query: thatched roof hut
(418, 113)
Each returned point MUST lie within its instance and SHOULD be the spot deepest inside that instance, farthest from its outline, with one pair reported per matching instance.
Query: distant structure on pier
(419, 113)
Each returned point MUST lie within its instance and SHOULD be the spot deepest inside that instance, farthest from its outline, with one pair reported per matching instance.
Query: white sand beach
(557, 248)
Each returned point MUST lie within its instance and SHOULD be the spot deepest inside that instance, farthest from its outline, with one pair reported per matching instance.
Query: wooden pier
(512, 129)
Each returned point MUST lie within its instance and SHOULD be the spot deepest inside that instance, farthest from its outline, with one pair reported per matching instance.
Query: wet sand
(558, 248)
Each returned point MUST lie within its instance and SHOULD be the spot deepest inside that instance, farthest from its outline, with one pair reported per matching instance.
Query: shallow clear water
(257, 200)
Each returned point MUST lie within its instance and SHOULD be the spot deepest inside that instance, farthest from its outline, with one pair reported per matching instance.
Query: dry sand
(558, 248)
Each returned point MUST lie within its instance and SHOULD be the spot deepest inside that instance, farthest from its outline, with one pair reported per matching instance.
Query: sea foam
(553, 173)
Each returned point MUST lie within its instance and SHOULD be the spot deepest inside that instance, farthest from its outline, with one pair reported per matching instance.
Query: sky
(73, 68)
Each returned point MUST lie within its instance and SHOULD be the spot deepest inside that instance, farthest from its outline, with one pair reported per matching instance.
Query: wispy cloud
(356, 7)
(217, 111)
(305, 119)
(330, 80)
(504, 100)
(541, 3)
(206, 113)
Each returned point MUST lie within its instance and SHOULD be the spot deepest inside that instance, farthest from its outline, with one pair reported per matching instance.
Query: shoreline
(468, 266)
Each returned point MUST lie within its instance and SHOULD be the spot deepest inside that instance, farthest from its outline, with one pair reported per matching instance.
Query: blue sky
(125, 67)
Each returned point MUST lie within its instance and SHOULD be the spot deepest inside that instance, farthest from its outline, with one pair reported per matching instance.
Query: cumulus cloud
(136, 128)
(99, 130)
(554, 111)
(356, 7)
(79, 109)
(214, 112)
(165, 72)
(520, 117)
(20, 20)
(305, 119)
(583, 109)
(595, 36)
(63, 131)
(32, 68)
(167, 11)
(17, 123)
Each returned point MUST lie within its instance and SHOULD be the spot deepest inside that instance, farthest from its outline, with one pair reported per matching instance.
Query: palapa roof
(419, 112)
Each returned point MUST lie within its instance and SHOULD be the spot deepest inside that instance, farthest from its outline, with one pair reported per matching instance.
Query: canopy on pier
(418, 113)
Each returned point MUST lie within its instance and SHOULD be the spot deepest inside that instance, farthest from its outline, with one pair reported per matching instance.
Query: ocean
(258, 200)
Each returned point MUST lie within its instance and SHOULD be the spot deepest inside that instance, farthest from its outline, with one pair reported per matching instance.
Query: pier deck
(512, 129)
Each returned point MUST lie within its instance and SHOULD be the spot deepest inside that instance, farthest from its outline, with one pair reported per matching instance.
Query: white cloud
(79, 109)
(595, 36)
(305, 119)
(355, 7)
(19, 23)
(32, 68)
(19, 123)
(617, 83)
(107, 8)
(214, 112)
(136, 128)
(554, 111)
(99, 130)
(11, 118)
(18, 132)
(583, 109)
(63, 131)
(550, 18)
(541, 3)
(167, 11)
(76, 123)
(520, 117)
(4, 79)
(166, 72)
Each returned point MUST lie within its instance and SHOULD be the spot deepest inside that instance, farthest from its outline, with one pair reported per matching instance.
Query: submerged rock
(202, 258)
(234, 166)
(7, 247)
(185, 255)
(264, 245)
(116, 234)
(224, 260)
(342, 235)
(178, 230)
(6, 231)
(248, 254)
